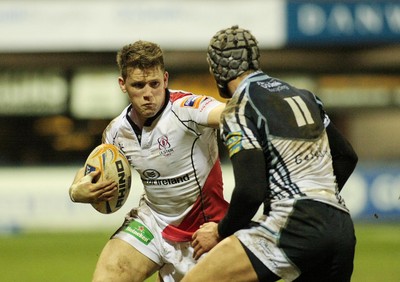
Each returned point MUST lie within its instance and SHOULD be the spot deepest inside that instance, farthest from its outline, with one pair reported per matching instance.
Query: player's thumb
(94, 175)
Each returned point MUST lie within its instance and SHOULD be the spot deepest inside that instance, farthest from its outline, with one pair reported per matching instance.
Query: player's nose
(147, 91)
(148, 94)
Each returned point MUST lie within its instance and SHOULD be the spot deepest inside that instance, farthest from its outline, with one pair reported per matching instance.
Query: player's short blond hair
(140, 54)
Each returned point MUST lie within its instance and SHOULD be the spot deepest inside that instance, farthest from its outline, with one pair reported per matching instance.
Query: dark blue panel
(373, 192)
(343, 22)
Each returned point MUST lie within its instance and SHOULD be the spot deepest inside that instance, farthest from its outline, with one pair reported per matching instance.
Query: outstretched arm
(249, 193)
(215, 115)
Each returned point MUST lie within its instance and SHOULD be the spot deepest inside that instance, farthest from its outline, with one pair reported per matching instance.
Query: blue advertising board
(373, 193)
(343, 22)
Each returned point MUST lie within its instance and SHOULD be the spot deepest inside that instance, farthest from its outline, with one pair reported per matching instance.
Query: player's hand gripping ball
(113, 165)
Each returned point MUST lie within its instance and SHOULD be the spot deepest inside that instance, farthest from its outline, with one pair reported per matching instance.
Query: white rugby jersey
(288, 124)
(177, 158)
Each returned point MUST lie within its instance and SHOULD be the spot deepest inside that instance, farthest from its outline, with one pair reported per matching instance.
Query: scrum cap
(231, 52)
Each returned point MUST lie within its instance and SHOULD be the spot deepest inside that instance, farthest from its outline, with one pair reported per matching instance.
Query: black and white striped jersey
(288, 125)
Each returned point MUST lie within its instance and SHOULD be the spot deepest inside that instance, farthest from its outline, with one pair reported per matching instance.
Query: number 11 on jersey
(300, 111)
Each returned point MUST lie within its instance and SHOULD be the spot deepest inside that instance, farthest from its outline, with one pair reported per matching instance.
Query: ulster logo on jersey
(164, 146)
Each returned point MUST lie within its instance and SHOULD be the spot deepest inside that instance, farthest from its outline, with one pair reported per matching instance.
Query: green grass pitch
(38, 256)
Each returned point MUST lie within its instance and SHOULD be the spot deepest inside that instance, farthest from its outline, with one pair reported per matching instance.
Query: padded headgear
(231, 52)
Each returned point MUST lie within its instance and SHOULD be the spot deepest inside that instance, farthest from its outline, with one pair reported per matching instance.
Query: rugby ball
(113, 165)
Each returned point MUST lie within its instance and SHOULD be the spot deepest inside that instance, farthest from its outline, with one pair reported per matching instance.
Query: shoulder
(175, 95)
(193, 107)
(189, 100)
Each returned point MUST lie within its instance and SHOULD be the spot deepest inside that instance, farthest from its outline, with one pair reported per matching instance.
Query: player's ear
(121, 83)
(166, 76)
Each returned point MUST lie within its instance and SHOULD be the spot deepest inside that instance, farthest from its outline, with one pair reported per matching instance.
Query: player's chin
(149, 112)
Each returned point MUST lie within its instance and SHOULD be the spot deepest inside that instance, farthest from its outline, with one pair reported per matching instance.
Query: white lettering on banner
(385, 190)
(368, 19)
(393, 17)
(341, 19)
(311, 19)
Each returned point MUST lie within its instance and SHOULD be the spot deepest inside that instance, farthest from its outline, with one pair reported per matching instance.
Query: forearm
(73, 187)
(87, 188)
(344, 157)
(239, 215)
(71, 194)
(249, 192)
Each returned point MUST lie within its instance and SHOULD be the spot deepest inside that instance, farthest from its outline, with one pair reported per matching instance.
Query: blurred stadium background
(58, 90)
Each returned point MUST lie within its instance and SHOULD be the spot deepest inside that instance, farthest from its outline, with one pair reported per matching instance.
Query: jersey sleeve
(195, 107)
(239, 132)
(324, 115)
(107, 136)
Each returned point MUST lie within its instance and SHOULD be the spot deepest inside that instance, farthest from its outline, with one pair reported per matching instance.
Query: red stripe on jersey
(176, 95)
(213, 208)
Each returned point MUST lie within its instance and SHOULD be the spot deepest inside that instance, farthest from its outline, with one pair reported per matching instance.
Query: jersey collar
(244, 82)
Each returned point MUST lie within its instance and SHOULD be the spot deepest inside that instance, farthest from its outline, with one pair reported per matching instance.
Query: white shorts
(141, 231)
(266, 250)
(262, 241)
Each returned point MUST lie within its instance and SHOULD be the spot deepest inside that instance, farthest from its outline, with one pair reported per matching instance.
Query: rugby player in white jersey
(169, 137)
(287, 155)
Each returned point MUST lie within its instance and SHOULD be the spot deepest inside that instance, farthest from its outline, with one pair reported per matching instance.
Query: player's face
(146, 90)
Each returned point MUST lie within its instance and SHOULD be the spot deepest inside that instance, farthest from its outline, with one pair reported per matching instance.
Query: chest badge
(164, 146)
